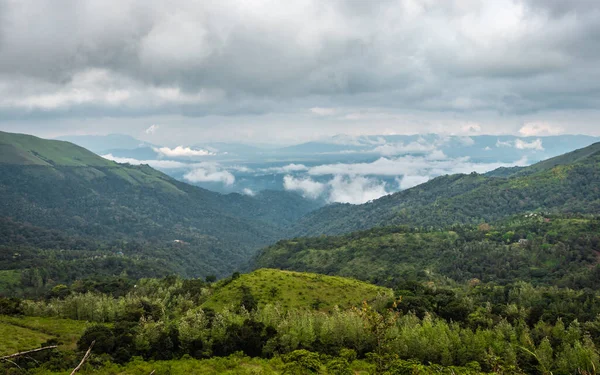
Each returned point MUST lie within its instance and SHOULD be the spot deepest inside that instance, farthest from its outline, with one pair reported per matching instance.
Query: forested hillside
(566, 184)
(546, 250)
(65, 208)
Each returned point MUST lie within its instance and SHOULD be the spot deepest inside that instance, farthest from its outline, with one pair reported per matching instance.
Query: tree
(211, 278)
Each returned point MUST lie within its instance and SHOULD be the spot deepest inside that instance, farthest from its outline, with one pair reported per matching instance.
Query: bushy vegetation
(427, 327)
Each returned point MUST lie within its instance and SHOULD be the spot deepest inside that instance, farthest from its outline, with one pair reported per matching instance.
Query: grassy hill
(566, 184)
(295, 290)
(60, 203)
(543, 250)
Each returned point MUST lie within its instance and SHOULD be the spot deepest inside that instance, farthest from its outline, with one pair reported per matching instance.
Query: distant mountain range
(478, 148)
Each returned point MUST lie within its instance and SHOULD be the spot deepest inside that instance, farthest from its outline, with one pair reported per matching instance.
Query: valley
(466, 273)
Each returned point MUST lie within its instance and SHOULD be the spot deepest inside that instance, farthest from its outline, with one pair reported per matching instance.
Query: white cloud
(356, 182)
(209, 172)
(437, 155)
(471, 128)
(247, 191)
(538, 128)
(306, 186)
(409, 165)
(152, 129)
(355, 190)
(533, 145)
(181, 151)
(466, 141)
(340, 189)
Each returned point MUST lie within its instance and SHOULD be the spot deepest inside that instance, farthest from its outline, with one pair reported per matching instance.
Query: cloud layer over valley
(351, 169)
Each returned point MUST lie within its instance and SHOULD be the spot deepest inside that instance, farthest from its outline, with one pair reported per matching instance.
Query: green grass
(34, 331)
(15, 339)
(296, 290)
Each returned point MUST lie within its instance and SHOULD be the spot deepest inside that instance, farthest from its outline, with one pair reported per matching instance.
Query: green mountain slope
(129, 211)
(550, 250)
(23, 149)
(569, 183)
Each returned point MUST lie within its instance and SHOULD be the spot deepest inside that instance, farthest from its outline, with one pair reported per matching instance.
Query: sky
(263, 71)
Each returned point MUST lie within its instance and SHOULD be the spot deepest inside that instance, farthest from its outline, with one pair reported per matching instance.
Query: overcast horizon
(286, 72)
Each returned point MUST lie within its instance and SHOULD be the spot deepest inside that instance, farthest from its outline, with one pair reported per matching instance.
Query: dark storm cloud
(136, 58)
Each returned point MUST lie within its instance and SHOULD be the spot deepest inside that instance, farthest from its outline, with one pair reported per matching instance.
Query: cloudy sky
(180, 72)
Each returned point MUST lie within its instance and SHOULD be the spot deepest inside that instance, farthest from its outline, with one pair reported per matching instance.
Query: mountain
(483, 148)
(132, 216)
(568, 183)
(101, 144)
(544, 250)
(26, 150)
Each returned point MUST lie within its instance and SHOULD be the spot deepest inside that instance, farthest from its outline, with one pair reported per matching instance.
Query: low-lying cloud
(305, 185)
(355, 190)
(209, 172)
(520, 144)
(359, 183)
(181, 151)
(339, 189)
(533, 145)
(196, 172)
(433, 164)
